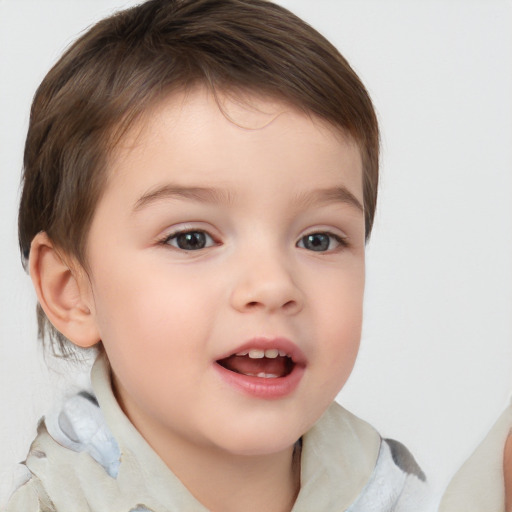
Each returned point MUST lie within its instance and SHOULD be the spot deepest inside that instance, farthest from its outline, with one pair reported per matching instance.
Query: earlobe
(63, 293)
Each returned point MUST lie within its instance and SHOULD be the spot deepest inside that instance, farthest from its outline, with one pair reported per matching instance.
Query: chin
(259, 447)
(261, 438)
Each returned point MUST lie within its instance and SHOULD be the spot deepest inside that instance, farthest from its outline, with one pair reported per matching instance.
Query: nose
(266, 283)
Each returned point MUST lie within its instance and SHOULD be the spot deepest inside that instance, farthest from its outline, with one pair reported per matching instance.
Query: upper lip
(266, 343)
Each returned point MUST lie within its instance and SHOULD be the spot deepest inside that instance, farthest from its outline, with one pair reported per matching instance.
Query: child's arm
(507, 473)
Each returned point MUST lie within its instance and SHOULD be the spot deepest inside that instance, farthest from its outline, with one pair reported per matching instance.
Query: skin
(166, 314)
(507, 471)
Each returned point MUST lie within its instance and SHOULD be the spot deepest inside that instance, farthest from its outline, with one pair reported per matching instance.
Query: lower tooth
(262, 375)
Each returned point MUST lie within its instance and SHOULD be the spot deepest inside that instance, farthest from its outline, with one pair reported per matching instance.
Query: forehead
(196, 135)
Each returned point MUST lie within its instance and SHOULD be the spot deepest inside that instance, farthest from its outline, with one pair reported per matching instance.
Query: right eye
(191, 240)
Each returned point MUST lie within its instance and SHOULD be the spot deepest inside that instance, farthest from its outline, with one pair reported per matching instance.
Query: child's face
(212, 239)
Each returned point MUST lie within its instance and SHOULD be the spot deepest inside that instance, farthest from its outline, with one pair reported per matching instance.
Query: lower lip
(260, 387)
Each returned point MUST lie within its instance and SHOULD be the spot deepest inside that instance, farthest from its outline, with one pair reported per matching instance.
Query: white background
(435, 367)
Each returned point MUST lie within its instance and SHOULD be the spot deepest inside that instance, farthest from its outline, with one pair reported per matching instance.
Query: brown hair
(125, 63)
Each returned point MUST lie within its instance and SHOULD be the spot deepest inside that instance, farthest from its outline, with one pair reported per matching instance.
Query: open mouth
(267, 364)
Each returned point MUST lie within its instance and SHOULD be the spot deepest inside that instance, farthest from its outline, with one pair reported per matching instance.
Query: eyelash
(206, 240)
(183, 233)
(340, 241)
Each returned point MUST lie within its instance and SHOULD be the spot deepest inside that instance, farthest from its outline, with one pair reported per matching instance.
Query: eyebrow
(338, 194)
(172, 191)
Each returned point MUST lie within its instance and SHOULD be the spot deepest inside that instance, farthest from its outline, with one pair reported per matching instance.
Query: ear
(63, 291)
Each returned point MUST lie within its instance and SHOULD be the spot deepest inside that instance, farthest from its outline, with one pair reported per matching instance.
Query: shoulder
(30, 497)
(77, 465)
(358, 470)
(397, 483)
(72, 456)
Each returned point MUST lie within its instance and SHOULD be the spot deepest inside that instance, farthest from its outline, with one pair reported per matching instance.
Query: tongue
(279, 366)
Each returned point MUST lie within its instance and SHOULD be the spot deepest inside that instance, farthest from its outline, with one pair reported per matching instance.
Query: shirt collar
(339, 454)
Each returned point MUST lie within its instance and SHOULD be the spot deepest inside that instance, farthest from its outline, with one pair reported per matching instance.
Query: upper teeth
(256, 353)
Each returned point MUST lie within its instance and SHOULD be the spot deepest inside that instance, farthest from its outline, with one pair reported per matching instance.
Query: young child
(200, 181)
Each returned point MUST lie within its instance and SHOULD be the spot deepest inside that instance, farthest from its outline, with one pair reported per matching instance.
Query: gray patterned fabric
(90, 458)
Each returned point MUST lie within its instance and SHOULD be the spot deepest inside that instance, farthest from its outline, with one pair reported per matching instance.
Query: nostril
(287, 306)
(268, 295)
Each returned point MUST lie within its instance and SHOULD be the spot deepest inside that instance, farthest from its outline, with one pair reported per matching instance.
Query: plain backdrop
(435, 367)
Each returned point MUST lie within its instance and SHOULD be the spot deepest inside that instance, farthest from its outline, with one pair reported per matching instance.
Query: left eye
(190, 240)
(320, 242)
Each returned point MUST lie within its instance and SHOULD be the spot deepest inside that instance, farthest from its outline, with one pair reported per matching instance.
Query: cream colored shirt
(345, 466)
(478, 486)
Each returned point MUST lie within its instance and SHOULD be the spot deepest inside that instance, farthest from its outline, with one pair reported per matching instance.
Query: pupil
(317, 242)
(191, 241)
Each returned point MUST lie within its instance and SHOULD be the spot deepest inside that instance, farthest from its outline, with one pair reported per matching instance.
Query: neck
(226, 482)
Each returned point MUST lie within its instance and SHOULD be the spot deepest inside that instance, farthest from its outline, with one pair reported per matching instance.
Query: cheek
(340, 314)
(343, 337)
(150, 306)
(153, 327)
